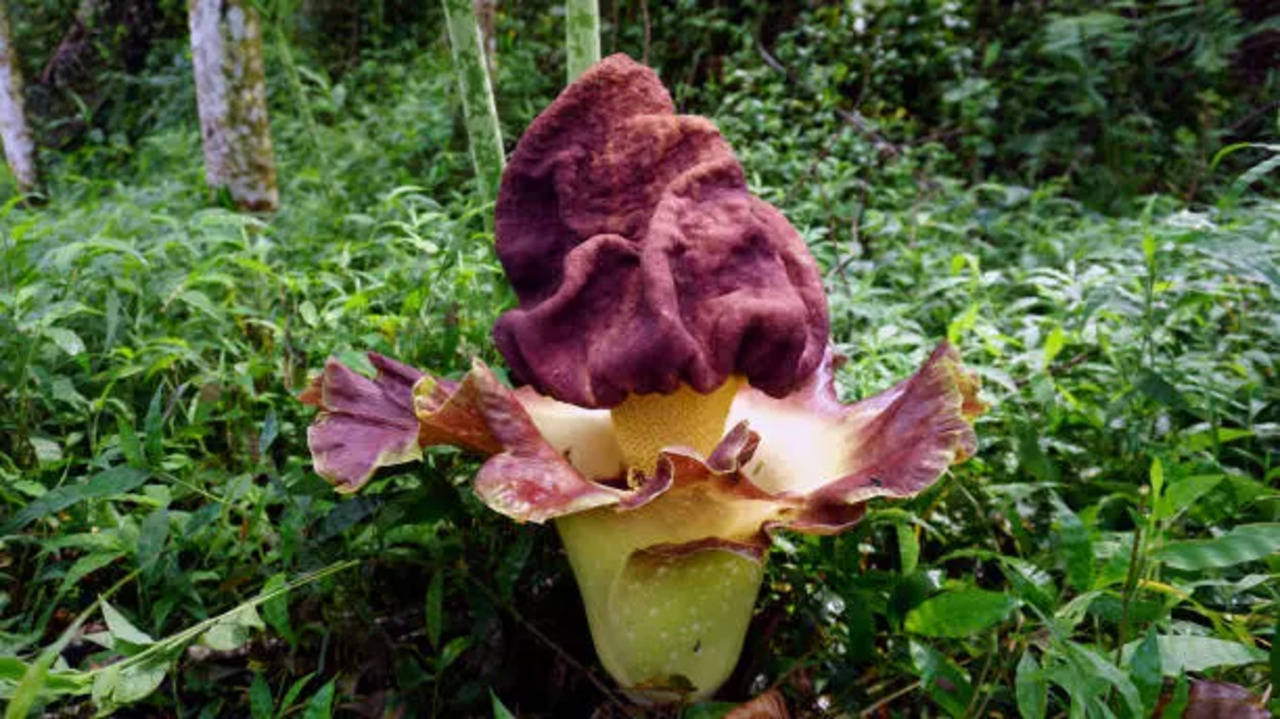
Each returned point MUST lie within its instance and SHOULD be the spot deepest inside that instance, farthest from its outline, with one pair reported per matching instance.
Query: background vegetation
(1056, 187)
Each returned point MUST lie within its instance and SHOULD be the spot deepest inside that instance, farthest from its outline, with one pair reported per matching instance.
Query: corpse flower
(677, 402)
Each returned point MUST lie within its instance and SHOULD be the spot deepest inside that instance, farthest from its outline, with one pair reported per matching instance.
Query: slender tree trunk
(486, 12)
(581, 35)
(231, 95)
(483, 133)
(19, 148)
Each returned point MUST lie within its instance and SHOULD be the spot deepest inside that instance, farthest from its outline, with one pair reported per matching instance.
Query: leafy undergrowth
(165, 545)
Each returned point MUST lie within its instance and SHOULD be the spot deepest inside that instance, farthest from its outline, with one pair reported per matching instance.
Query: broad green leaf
(1144, 668)
(1077, 548)
(260, 703)
(276, 609)
(434, 610)
(319, 706)
(945, 682)
(1245, 543)
(1208, 437)
(84, 566)
(128, 684)
(121, 628)
(1156, 476)
(47, 451)
(1030, 688)
(1181, 654)
(152, 537)
(130, 446)
(1182, 493)
(1099, 667)
(959, 613)
(270, 429)
(66, 340)
(106, 483)
(12, 669)
(233, 630)
(1153, 385)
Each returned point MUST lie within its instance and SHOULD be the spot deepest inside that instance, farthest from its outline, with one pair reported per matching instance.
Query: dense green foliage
(1035, 185)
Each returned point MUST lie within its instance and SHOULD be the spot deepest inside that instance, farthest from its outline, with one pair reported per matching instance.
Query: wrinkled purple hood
(640, 259)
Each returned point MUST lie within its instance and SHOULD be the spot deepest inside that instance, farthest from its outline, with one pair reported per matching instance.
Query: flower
(678, 402)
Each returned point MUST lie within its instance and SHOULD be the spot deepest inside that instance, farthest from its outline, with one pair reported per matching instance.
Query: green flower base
(665, 627)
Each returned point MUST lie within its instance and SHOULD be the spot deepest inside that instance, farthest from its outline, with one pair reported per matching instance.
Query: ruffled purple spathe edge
(894, 444)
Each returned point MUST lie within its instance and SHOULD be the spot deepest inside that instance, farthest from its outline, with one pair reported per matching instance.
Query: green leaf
(24, 696)
(125, 685)
(113, 318)
(291, 695)
(270, 429)
(1144, 668)
(1245, 543)
(86, 566)
(120, 628)
(12, 669)
(129, 444)
(945, 682)
(434, 610)
(908, 547)
(233, 630)
(1184, 492)
(1031, 689)
(1156, 475)
(106, 483)
(152, 537)
(960, 613)
(260, 704)
(1053, 344)
(47, 451)
(1077, 548)
(1094, 665)
(1159, 389)
(1181, 694)
(66, 340)
(319, 706)
(1181, 654)
(451, 651)
(500, 710)
(276, 609)
(153, 426)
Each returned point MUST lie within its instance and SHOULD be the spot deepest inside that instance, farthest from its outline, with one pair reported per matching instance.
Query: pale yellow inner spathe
(646, 423)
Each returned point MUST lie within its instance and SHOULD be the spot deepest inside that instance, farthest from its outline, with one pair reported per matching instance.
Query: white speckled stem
(19, 148)
(667, 629)
(231, 96)
(581, 35)
(483, 133)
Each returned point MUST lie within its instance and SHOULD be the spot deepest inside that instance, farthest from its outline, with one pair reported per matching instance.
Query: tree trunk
(486, 12)
(231, 96)
(581, 35)
(19, 148)
(483, 133)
